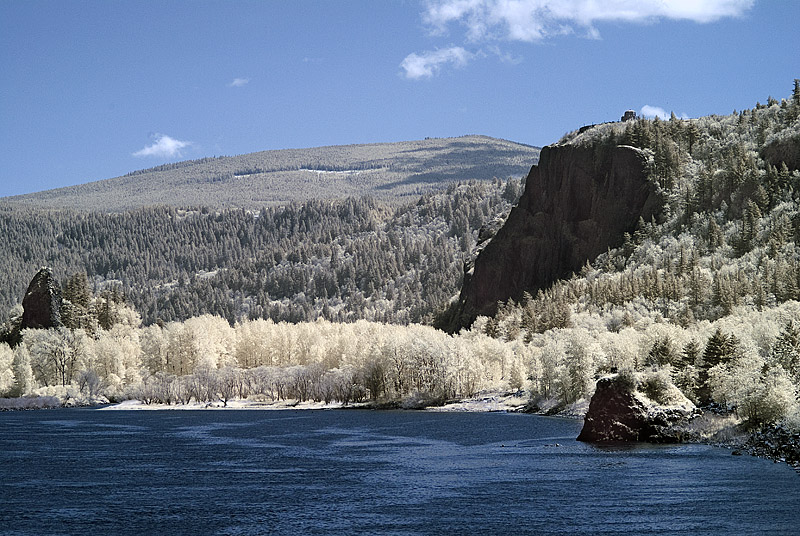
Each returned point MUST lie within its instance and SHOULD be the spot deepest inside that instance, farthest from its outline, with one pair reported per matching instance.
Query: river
(243, 472)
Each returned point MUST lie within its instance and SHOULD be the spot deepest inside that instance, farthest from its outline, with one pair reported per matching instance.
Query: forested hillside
(356, 258)
(393, 172)
(730, 234)
(707, 296)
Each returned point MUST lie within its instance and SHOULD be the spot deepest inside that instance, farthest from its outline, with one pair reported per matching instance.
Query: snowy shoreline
(494, 402)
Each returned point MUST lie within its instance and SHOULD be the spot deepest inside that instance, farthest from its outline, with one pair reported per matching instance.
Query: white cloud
(534, 20)
(653, 111)
(428, 63)
(656, 111)
(163, 147)
(239, 82)
(537, 20)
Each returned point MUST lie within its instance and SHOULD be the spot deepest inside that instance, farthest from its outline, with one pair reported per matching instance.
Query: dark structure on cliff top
(578, 202)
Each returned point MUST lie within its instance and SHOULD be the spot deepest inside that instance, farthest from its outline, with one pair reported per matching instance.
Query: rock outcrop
(42, 302)
(578, 201)
(621, 410)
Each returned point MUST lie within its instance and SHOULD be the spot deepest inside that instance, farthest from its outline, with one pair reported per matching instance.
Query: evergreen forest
(342, 260)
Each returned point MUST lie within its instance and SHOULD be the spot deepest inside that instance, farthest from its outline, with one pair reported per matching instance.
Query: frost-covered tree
(213, 340)
(760, 394)
(181, 351)
(251, 343)
(153, 345)
(6, 369)
(786, 351)
(228, 382)
(56, 354)
(24, 381)
(117, 357)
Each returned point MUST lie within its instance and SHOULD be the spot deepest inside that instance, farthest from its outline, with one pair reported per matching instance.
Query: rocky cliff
(41, 308)
(578, 201)
(42, 302)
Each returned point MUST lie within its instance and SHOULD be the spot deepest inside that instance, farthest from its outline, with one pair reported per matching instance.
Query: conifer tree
(796, 92)
(661, 353)
(786, 350)
(720, 349)
(689, 354)
(76, 290)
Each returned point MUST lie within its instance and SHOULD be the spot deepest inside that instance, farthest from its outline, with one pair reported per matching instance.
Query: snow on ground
(232, 404)
(488, 402)
(484, 403)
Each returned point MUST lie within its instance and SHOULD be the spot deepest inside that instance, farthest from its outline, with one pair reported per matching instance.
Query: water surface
(84, 471)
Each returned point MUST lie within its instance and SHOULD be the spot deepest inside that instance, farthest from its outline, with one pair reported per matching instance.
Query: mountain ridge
(392, 171)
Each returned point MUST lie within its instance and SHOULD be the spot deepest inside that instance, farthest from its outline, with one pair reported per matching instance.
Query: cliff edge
(578, 201)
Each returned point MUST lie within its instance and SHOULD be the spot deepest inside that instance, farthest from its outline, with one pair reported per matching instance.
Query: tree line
(747, 362)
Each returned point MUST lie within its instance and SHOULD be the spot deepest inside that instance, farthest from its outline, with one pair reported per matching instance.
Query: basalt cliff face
(41, 308)
(42, 302)
(578, 201)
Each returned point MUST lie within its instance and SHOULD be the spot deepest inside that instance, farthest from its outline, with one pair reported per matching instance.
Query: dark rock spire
(42, 302)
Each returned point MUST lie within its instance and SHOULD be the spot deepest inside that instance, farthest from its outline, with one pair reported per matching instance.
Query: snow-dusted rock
(636, 407)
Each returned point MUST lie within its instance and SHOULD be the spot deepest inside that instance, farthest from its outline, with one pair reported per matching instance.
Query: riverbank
(776, 443)
(485, 402)
(773, 442)
(30, 402)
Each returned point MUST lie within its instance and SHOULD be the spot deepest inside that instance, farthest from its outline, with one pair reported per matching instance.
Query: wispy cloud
(163, 147)
(504, 57)
(428, 63)
(239, 82)
(534, 20)
(656, 111)
(531, 21)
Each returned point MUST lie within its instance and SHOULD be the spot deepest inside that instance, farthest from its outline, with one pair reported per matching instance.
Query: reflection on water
(234, 472)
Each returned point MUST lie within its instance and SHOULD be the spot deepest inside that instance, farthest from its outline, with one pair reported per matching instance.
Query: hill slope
(703, 292)
(387, 171)
(337, 259)
(728, 232)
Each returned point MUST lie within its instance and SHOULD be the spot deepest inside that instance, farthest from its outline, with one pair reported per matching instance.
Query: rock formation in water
(42, 302)
(622, 409)
(578, 201)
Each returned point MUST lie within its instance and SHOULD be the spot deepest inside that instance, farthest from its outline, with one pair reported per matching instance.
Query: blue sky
(94, 89)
